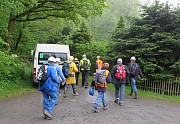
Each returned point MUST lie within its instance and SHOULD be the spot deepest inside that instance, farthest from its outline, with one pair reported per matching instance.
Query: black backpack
(133, 68)
(42, 74)
(85, 65)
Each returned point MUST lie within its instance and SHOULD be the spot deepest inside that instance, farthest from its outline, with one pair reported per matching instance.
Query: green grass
(16, 89)
(149, 94)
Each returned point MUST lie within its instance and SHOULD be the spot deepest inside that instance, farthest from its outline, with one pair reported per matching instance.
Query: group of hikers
(56, 74)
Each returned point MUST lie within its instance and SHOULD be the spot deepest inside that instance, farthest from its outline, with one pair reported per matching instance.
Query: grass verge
(149, 94)
(16, 89)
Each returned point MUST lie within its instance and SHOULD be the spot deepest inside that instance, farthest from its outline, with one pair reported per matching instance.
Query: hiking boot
(47, 114)
(130, 94)
(46, 117)
(95, 109)
(120, 103)
(116, 101)
(65, 92)
(105, 107)
(75, 93)
(136, 96)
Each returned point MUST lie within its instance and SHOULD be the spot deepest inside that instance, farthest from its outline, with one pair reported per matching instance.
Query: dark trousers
(77, 78)
(85, 75)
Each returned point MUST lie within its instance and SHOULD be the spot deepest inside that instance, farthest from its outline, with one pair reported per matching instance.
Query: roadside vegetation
(15, 76)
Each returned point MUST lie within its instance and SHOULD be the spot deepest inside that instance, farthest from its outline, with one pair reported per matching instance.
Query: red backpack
(120, 72)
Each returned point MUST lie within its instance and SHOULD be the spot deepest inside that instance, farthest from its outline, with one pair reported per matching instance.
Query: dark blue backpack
(65, 69)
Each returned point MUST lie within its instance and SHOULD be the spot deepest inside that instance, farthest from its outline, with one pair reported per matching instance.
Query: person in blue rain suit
(61, 77)
(50, 89)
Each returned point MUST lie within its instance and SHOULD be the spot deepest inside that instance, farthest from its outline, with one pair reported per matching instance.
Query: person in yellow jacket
(71, 80)
(99, 63)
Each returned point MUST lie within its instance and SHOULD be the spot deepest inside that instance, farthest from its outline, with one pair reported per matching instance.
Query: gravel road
(27, 109)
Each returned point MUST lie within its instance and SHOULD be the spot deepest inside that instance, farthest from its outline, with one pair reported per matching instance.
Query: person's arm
(96, 65)
(93, 84)
(127, 74)
(80, 64)
(62, 75)
(140, 72)
(113, 71)
(75, 69)
(89, 63)
(108, 78)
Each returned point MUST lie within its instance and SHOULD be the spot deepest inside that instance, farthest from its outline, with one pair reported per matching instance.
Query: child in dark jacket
(101, 88)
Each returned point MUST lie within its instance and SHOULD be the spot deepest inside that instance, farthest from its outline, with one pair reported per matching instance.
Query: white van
(44, 51)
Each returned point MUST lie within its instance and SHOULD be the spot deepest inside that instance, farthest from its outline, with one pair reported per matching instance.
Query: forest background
(110, 28)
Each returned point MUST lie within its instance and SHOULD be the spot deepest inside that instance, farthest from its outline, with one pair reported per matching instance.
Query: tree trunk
(20, 34)
(10, 30)
(18, 40)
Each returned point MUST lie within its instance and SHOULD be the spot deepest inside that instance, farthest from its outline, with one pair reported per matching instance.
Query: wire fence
(169, 87)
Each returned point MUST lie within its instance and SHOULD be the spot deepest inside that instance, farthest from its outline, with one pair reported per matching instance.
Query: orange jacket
(99, 64)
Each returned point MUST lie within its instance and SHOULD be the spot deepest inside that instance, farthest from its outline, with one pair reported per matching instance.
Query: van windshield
(43, 57)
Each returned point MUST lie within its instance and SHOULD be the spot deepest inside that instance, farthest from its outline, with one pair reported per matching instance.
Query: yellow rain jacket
(72, 70)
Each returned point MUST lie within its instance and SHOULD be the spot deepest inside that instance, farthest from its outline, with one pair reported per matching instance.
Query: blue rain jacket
(51, 83)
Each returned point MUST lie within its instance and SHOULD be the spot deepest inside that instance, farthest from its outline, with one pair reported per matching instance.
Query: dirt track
(27, 109)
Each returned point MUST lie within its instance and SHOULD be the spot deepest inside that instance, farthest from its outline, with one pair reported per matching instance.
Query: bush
(12, 70)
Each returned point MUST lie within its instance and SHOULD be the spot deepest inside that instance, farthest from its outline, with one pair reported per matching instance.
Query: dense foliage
(154, 39)
(13, 71)
(23, 11)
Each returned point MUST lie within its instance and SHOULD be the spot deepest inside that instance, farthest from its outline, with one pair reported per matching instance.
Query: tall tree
(153, 39)
(101, 26)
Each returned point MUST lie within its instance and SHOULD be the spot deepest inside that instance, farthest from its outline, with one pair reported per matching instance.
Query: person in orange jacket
(101, 87)
(99, 63)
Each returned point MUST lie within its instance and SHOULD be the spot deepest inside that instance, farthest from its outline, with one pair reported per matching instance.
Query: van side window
(43, 56)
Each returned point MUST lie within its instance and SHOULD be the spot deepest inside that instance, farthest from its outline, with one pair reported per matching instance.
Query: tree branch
(28, 11)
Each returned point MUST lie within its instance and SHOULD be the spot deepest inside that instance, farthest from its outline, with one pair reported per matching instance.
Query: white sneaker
(94, 109)
(75, 94)
(120, 103)
(105, 107)
(47, 114)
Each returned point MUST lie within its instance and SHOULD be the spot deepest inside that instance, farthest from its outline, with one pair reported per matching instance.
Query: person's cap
(58, 60)
(98, 57)
(84, 56)
(119, 60)
(51, 59)
(133, 58)
(71, 58)
(76, 59)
